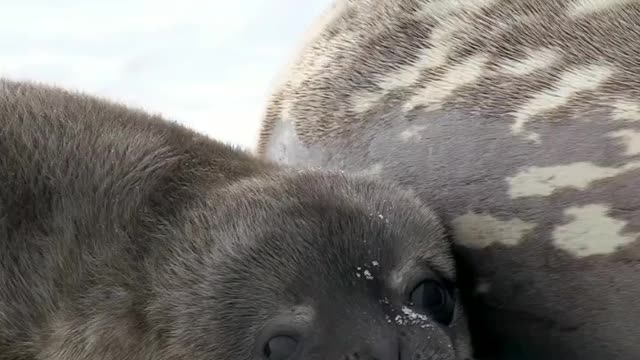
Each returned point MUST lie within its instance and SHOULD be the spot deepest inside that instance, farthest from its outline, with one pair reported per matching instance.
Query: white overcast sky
(207, 63)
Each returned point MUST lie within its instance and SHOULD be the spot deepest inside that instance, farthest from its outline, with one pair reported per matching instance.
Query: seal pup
(126, 236)
(519, 120)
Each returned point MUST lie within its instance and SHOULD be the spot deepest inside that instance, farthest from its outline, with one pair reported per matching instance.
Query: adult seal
(519, 121)
(126, 236)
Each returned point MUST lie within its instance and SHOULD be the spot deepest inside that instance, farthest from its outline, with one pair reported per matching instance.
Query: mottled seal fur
(125, 236)
(519, 120)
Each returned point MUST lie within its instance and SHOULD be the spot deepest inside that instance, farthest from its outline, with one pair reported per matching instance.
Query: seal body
(125, 236)
(518, 120)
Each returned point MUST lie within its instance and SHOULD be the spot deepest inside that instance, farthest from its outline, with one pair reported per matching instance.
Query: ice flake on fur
(410, 318)
(368, 275)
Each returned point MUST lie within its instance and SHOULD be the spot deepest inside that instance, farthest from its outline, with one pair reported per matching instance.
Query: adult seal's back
(520, 121)
(124, 236)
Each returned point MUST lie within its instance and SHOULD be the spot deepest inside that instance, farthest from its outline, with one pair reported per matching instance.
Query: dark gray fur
(124, 236)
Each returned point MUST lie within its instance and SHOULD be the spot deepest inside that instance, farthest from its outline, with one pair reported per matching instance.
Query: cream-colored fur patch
(363, 101)
(433, 95)
(626, 110)
(543, 181)
(407, 75)
(482, 230)
(536, 60)
(591, 232)
(630, 138)
(434, 56)
(588, 7)
(570, 83)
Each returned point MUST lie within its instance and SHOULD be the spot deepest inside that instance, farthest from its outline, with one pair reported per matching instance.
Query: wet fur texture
(125, 236)
(518, 120)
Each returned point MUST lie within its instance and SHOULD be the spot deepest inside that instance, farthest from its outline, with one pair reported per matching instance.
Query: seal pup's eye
(433, 298)
(280, 347)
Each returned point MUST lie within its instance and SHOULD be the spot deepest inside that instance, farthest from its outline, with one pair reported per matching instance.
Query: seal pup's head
(308, 265)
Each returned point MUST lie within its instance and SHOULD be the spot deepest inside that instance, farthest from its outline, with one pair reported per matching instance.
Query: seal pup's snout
(383, 348)
(373, 344)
